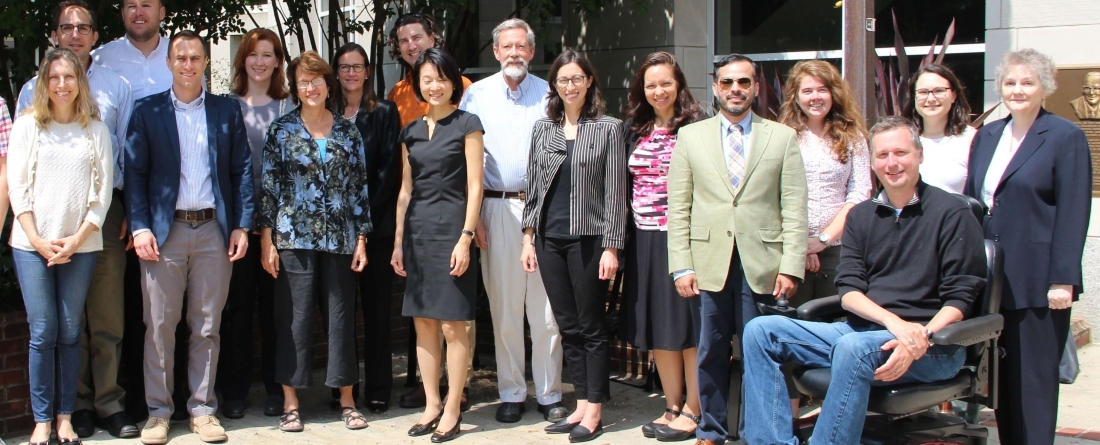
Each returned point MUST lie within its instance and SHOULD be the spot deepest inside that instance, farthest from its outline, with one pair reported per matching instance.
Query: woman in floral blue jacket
(314, 219)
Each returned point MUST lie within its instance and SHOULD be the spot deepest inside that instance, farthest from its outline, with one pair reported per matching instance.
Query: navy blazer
(152, 174)
(1041, 207)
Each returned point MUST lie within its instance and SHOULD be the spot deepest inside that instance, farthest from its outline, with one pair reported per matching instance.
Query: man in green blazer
(737, 229)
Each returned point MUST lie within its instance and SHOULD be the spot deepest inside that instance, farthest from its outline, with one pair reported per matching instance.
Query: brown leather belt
(195, 215)
(505, 195)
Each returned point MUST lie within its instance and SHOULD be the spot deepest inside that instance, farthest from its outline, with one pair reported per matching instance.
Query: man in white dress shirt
(99, 395)
(509, 103)
(140, 55)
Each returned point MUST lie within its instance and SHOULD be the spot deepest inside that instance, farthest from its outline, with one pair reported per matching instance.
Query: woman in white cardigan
(59, 181)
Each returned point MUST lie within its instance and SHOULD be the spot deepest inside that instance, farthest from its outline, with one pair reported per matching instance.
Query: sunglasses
(726, 83)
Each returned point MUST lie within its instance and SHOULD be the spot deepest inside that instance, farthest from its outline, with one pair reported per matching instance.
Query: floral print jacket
(310, 203)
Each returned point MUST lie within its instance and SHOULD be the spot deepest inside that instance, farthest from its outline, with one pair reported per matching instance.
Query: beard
(734, 109)
(514, 72)
(145, 36)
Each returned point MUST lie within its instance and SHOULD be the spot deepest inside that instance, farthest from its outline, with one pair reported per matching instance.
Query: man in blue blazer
(189, 194)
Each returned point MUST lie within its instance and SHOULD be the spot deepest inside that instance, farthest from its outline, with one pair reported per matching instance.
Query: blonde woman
(60, 177)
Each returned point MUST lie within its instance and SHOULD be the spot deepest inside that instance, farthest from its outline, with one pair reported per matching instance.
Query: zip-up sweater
(913, 263)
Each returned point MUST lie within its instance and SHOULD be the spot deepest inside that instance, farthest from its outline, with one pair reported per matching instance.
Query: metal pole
(858, 65)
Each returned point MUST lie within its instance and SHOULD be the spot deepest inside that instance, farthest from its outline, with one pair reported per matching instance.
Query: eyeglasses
(315, 82)
(577, 80)
(939, 92)
(727, 83)
(83, 29)
(358, 67)
(1088, 90)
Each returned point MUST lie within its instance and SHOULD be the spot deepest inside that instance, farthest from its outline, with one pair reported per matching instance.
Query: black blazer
(1041, 207)
(380, 129)
(599, 197)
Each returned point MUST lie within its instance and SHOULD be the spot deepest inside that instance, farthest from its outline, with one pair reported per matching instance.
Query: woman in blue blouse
(314, 218)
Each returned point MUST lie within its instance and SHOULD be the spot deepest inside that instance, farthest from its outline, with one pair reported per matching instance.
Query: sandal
(287, 420)
(349, 414)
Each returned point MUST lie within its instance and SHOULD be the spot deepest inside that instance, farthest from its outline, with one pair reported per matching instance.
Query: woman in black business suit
(1033, 170)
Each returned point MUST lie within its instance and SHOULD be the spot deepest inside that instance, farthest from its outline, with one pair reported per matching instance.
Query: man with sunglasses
(99, 394)
(737, 226)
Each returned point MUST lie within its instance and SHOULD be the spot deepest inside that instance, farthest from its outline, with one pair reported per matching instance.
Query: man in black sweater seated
(912, 262)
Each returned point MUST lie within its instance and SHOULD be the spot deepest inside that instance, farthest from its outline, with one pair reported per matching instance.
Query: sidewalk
(628, 409)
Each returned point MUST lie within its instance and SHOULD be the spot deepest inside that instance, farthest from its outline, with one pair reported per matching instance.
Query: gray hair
(513, 23)
(891, 123)
(1037, 62)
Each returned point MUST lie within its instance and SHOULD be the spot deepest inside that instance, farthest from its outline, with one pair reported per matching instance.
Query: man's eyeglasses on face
(358, 67)
(726, 83)
(1088, 90)
(83, 29)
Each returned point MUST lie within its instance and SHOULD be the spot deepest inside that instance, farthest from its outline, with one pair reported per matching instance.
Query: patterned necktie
(735, 158)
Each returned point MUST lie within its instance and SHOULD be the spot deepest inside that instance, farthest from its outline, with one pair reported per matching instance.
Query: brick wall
(15, 404)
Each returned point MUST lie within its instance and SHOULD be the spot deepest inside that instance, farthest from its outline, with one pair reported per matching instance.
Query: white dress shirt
(113, 96)
(1001, 157)
(147, 75)
(196, 187)
(508, 117)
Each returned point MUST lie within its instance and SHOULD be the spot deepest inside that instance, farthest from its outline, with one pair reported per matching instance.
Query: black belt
(195, 215)
(505, 195)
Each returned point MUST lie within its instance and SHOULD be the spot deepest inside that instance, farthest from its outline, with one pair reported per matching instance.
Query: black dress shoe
(416, 397)
(665, 433)
(120, 425)
(554, 412)
(563, 426)
(180, 415)
(581, 434)
(464, 405)
(233, 409)
(441, 436)
(83, 422)
(378, 406)
(421, 429)
(510, 412)
(273, 406)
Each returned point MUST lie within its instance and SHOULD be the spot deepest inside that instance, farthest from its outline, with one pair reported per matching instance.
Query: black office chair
(903, 412)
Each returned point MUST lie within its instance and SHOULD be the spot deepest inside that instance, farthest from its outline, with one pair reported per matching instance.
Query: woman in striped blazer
(577, 205)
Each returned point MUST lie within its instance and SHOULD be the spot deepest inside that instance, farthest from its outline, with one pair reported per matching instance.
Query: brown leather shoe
(208, 428)
(703, 442)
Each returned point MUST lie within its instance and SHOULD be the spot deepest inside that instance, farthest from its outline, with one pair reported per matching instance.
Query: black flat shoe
(378, 407)
(440, 436)
(119, 425)
(581, 434)
(554, 412)
(421, 429)
(233, 409)
(75, 441)
(273, 406)
(665, 433)
(649, 428)
(563, 426)
(83, 422)
(510, 412)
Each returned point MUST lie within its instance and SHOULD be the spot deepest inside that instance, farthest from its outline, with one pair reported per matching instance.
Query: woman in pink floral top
(654, 316)
(5, 131)
(818, 104)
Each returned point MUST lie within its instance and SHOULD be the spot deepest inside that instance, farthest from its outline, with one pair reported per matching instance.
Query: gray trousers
(194, 260)
(101, 344)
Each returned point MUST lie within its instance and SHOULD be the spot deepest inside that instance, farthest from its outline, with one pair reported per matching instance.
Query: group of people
(288, 195)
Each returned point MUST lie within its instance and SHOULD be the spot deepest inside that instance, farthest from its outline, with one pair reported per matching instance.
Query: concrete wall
(619, 39)
(1066, 30)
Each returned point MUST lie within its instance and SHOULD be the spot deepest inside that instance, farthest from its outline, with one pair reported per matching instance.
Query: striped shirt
(112, 95)
(196, 187)
(147, 75)
(5, 127)
(507, 117)
(599, 191)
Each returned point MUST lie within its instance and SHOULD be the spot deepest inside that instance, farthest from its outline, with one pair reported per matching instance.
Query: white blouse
(829, 183)
(946, 159)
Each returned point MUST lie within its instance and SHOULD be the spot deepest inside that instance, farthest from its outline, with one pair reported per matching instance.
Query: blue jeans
(54, 297)
(853, 353)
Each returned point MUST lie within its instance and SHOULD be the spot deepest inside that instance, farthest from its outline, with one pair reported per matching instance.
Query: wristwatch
(467, 232)
(824, 238)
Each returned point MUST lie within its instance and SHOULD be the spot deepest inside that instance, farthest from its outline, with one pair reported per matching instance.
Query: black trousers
(308, 278)
(1034, 340)
(375, 296)
(578, 297)
(250, 285)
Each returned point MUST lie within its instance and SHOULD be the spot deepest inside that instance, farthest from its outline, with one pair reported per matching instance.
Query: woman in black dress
(654, 317)
(437, 211)
(577, 205)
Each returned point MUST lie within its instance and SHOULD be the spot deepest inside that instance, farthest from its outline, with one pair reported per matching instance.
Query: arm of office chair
(972, 331)
(821, 309)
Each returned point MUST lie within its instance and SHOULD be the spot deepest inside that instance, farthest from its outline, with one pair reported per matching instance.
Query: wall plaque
(1078, 99)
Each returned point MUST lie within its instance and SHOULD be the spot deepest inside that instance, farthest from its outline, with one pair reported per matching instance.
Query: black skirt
(653, 315)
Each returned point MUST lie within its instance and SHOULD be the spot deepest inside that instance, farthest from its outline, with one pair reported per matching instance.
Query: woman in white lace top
(940, 110)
